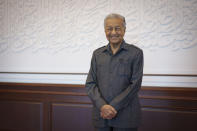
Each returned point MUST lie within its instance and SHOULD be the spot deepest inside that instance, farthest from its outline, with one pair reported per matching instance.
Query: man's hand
(108, 112)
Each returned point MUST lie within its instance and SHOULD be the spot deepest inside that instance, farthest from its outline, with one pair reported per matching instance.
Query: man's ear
(124, 29)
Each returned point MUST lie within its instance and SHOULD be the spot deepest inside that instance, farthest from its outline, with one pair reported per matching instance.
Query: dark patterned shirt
(115, 79)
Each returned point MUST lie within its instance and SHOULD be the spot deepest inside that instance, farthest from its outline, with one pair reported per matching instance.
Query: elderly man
(114, 80)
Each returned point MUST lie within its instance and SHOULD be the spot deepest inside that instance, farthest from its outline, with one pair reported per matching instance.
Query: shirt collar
(122, 46)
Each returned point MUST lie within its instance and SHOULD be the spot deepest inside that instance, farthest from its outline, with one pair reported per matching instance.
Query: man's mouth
(114, 37)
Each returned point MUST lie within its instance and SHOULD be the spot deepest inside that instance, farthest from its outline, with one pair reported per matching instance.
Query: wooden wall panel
(21, 116)
(59, 107)
(168, 120)
(71, 117)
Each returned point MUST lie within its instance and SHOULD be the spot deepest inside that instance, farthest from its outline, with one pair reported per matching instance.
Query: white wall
(51, 40)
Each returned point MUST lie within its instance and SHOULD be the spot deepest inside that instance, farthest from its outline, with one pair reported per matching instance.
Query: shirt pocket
(101, 70)
(123, 68)
(101, 67)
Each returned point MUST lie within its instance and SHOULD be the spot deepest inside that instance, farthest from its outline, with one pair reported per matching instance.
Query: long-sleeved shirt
(115, 79)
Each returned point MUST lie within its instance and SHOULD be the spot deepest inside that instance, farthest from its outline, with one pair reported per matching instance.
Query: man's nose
(113, 31)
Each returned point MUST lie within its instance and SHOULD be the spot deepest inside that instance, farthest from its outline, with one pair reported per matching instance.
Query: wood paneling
(168, 109)
(21, 116)
(168, 120)
(71, 117)
(61, 107)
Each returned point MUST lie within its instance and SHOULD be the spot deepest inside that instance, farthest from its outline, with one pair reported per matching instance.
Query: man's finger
(113, 110)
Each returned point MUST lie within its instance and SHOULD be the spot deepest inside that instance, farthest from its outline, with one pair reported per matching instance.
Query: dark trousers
(116, 129)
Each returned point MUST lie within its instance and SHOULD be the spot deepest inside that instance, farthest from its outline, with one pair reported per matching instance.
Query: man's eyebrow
(113, 26)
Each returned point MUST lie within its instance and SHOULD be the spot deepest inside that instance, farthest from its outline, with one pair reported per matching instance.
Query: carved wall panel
(58, 36)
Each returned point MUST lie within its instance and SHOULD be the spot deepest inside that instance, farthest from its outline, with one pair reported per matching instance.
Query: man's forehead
(114, 21)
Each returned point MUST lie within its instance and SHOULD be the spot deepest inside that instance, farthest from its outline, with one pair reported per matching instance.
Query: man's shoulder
(99, 50)
(133, 48)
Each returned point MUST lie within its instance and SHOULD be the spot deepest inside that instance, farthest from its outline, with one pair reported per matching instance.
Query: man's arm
(135, 84)
(91, 86)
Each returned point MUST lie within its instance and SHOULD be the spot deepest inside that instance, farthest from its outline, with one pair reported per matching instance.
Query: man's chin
(115, 42)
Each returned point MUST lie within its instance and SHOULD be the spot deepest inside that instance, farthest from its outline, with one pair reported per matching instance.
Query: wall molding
(69, 102)
(74, 73)
(80, 78)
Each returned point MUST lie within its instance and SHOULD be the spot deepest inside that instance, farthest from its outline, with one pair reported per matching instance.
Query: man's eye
(118, 29)
(109, 29)
(115, 28)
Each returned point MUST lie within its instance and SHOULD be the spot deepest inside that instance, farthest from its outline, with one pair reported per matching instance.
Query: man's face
(114, 30)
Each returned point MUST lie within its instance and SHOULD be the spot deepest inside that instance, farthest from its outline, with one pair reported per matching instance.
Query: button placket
(111, 71)
(110, 65)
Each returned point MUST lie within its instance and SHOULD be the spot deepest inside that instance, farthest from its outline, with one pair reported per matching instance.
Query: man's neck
(115, 47)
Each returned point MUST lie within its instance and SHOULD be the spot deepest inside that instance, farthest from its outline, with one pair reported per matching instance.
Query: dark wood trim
(13, 84)
(39, 84)
(73, 73)
(178, 75)
(159, 104)
(60, 73)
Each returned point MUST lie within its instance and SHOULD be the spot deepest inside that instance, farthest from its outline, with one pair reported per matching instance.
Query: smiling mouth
(114, 37)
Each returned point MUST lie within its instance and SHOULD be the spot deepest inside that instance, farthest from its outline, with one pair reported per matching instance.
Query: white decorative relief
(67, 31)
(72, 24)
(49, 25)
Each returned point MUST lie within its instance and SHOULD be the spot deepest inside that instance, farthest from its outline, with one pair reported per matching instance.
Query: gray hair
(113, 15)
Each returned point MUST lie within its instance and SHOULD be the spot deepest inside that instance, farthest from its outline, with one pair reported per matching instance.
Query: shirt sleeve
(126, 96)
(91, 85)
